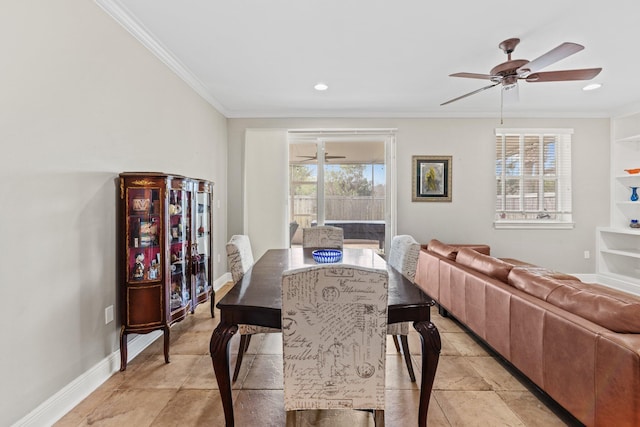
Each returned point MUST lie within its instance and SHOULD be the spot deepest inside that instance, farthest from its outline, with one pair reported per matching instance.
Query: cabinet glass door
(143, 221)
(180, 291)
(202, 247)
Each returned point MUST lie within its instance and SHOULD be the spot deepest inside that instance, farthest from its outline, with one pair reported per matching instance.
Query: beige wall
(80, 101)
(469, 218)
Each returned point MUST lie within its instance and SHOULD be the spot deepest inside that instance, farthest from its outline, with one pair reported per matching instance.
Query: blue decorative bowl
(324, 256)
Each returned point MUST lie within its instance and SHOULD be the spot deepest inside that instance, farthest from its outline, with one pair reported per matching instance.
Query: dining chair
(322, 236)
(403, 257)
(334, 323)
(239, 261)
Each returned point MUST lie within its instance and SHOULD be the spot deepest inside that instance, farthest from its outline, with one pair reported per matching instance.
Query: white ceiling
(382, 58)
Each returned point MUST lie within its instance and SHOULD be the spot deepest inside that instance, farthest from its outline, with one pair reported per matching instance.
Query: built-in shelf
(618, 246)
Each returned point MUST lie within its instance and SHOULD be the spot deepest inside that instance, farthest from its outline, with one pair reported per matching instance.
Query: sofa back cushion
(485, 264)
(442, 249)
(610, 308)
(537, 281)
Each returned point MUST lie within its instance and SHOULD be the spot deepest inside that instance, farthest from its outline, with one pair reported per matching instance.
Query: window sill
(533, 225)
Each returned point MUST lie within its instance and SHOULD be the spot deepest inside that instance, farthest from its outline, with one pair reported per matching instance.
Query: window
(533, 178)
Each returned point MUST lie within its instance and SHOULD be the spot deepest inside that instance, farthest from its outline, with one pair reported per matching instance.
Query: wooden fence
(338, 208)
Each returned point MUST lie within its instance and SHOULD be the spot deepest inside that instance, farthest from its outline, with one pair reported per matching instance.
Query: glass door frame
(321, 137)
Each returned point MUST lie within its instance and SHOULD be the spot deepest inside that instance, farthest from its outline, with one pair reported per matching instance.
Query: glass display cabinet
(165, 245)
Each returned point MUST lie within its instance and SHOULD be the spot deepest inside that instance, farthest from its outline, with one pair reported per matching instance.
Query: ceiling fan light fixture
(320, 87)
(592, 86)
(524, 72)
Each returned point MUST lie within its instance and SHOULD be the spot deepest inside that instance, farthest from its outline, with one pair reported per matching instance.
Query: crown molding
(354, 114)
(627, 110)
(123, 16)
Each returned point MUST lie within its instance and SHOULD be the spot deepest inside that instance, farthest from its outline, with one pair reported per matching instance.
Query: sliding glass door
(303, 189)
(340, 181)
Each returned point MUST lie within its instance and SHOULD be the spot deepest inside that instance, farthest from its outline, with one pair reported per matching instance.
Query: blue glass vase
(634, 194)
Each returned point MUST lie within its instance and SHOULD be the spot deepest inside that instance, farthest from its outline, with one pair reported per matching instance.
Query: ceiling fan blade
(554, 55)
(474, 76)
(564, 75)
(326, 157)
(470, 93)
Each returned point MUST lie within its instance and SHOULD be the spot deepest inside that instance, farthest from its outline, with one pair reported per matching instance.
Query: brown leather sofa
(579, 342)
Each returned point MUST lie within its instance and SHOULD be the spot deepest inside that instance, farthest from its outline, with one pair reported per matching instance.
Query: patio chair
(403, 256)
(322, 236)
(239, 261)
(334, 322)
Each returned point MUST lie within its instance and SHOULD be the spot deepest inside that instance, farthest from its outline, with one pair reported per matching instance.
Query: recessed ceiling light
(592, 86)
(321, 86)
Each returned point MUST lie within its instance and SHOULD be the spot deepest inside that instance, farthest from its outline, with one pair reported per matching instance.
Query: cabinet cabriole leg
(167, 340)
(213, 303)
(123, 349)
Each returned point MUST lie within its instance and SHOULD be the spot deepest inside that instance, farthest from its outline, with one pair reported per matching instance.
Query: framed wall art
(431, 179)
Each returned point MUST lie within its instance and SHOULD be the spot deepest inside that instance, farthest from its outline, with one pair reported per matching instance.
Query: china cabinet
(165, 247)
(618, 261)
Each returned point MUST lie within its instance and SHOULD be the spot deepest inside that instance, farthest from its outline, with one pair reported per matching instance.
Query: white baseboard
(612, 282)
(222, 280)
(587, 278)
(620, 283)
(77, 390)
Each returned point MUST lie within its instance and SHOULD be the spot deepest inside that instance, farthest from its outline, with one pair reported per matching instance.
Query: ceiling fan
(508, 73)
(327, 157)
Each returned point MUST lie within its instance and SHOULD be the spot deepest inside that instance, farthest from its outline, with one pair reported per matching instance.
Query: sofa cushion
(537, 281)
(610, 308)
(442, 249)
(485, 264)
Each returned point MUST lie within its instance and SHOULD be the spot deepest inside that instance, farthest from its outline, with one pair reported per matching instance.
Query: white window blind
(533, 178)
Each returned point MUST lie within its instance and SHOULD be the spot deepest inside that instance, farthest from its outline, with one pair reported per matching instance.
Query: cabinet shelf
(629, 139)
(621, 231)
(632, 253)
(157, 217)
(629, 178)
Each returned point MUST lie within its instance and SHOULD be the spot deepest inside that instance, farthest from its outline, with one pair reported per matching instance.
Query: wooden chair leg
(397, 344)
(378, 417)
(291, 419)
(242, 348)
(407, 357)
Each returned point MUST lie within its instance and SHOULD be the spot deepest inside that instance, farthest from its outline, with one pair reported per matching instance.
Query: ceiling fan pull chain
(501, 104)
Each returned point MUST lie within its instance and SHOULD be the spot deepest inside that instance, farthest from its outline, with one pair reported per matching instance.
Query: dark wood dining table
(256, 300)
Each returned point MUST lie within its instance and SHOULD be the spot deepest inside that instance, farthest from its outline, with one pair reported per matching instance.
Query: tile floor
(471, 388)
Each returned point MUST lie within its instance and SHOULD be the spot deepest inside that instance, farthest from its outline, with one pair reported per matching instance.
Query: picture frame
(431, 179)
